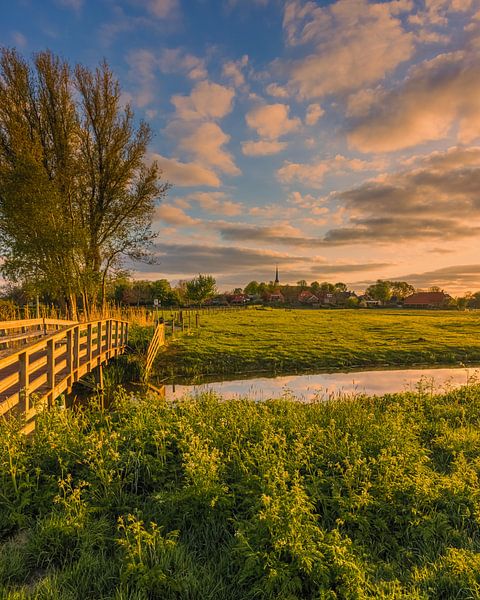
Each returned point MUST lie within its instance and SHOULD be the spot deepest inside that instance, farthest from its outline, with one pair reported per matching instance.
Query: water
(327, 385)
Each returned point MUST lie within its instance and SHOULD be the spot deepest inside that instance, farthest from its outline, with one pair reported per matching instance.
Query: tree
(327, 288)
(380, 291)
(200, 288)
(302, 284)
(340, 287)
(76, 194)
(401, 289)
(315, 286)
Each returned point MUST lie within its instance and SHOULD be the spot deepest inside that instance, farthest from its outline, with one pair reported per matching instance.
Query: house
(274, 297)
(238, 299)
(427, 300)
(307, 297)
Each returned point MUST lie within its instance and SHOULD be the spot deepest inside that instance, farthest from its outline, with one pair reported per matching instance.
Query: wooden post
(76, 347)
(89, 343)
(115, 343)
(69, 353)
(50, 365)
(109, 337)
(23, 378)
(173, 328)
(99, 338)
(196, 319)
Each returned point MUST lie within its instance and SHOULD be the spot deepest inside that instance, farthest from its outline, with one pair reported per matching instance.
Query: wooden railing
(156, 342)
(37, 374)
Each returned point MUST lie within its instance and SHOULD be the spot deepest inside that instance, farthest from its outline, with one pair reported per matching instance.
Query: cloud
(438, 98)
(176, 60)
(173, 215)
(206, 101)
(313, 174)
(273, 89)
(233, 70)
(186, 174)
(355, 42)
(160, 9)
(314, 113)
(142, 65)
(234, 265)
(434, 198)
(19, 39)
(271, 121)
(452, 277)
(205, 143)
(262, 147)
(215, 203)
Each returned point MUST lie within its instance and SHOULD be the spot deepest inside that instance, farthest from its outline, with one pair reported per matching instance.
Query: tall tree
(76, 194)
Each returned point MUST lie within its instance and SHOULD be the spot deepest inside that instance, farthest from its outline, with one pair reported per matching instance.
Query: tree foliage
(200, 288)
(76, 195)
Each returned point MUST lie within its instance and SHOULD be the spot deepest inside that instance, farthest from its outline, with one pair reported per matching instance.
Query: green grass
(213, 500)
(292, 341)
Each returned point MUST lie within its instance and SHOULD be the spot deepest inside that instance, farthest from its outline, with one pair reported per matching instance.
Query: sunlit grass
(293, 341)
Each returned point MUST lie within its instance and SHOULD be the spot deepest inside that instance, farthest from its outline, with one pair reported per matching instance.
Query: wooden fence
(156, 342)
(35, 375)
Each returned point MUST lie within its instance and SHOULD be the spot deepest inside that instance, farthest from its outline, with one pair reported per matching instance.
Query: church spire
(277, 281)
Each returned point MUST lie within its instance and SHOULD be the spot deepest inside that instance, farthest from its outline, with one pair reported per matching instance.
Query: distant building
(307, 297)
(277, 280)
(427, 300)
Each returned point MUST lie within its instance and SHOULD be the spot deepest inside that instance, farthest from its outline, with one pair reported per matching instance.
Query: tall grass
(209, 499)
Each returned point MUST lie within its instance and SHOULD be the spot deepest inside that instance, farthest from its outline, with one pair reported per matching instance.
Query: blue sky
(339, 140)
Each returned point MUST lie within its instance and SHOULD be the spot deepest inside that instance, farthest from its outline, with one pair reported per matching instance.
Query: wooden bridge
(53, 355)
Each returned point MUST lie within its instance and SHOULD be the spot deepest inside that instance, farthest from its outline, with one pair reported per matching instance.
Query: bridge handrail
(18, 324)
(67, 354)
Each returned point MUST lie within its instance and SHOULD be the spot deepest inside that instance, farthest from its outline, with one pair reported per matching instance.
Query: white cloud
(355, 43)
(186, 174)
(173, 215)
(438, 98)
(233, 70)
(313, 174)
(271, 121)
(206, 101)
(205, 142)
(263, 147)
(215, 203)
(314, 113)
(176, 60)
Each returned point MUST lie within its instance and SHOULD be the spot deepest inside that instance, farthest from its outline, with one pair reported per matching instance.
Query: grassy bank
(289, 341)
(375, 498)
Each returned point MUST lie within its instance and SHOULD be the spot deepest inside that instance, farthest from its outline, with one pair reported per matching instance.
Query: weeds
(210, 499)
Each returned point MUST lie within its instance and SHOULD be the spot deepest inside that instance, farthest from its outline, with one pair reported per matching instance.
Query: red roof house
(427, 300)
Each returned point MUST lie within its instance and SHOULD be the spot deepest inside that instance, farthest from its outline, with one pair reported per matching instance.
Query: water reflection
(327, 385)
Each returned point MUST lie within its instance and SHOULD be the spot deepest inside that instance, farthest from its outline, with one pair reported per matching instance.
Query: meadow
(213, 500)
(277, 341)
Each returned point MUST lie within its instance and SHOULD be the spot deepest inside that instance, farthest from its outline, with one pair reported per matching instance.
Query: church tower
(277, 281)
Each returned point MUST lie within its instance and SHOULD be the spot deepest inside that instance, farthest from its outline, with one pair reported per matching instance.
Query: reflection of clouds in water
(330, 385)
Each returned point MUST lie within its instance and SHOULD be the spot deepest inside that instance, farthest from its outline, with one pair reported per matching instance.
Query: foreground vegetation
(289, 341)
(205, 499)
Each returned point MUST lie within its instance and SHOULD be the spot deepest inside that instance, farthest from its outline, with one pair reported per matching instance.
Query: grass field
(291, 341)
(211, 500)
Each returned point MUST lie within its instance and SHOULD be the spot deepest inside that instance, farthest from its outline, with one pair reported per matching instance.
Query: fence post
(51, 364)
(89, 342)
(76, 347)
(99, 338)
(197, 319)
(69, 352)
(23, 378)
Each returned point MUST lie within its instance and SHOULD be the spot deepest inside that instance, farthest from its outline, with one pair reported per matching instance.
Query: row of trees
(76, 193)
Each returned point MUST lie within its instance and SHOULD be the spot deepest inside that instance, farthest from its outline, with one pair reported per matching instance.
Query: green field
(211, 500)
(278, 341)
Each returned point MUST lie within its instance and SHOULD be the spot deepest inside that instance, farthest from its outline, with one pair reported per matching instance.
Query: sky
(338, 140)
